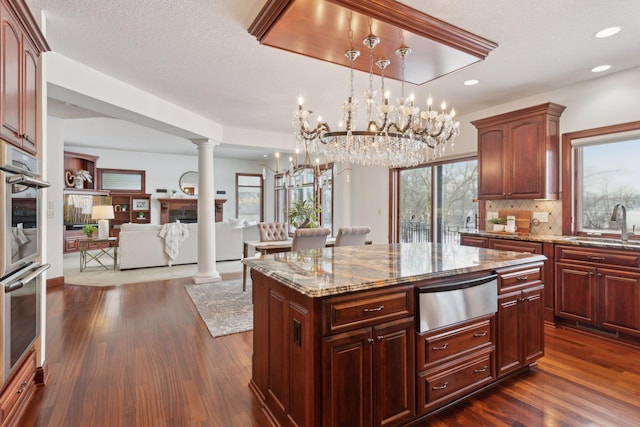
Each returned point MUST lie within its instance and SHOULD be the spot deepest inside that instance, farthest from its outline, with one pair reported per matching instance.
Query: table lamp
(103, 213)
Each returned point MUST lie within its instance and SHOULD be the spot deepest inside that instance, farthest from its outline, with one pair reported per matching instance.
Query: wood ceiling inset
(320, 29)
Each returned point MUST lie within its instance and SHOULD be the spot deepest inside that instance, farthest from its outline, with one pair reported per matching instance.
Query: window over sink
(602, 171)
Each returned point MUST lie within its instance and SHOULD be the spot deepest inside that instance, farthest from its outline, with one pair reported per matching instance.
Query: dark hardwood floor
(139, 355)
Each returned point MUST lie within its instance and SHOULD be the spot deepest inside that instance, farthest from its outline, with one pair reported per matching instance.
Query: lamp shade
(102, 212)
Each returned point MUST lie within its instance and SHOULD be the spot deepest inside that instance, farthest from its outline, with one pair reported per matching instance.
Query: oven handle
(28, 181)
(26, 278)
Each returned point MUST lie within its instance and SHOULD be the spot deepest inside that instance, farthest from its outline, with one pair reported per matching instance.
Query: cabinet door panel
(30, 98)
(394, 369)
(347, 382)
(532, 325)
(527, 174)
(278, 388)
(619, 299)
(491, 165)
(10, 55)
(575, 292)
(508, 336)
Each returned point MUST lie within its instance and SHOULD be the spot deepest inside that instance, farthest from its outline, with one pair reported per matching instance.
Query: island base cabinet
(520, 329)
(368, 376)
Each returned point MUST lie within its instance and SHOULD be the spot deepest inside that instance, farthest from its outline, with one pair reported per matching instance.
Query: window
(306, 183)
(438, 197)
(603, 172)
(249, 197)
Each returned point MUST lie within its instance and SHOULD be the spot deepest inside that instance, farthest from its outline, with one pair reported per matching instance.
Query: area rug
(95, 277)
(224, 308)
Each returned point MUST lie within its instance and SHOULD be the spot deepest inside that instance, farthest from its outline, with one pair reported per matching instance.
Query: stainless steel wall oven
(21, 265)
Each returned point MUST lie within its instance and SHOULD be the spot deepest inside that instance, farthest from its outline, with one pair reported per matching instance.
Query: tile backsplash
(552, 207)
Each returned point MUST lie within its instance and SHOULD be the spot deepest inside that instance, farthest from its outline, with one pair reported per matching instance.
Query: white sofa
(141, 246)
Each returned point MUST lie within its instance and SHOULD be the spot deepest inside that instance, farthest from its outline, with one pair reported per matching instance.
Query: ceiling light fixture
(600, 68)
(607, 32)
(471, 82)
(395, 135)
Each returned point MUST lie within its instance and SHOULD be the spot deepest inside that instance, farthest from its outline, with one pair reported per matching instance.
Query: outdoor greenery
(303, 213)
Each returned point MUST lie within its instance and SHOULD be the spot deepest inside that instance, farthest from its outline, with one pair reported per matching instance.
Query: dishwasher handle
(459, 284)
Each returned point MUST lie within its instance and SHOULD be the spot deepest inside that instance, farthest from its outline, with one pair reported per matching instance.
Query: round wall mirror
(189, 183)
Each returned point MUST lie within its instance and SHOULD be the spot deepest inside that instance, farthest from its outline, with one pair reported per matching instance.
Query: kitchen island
(338, 339)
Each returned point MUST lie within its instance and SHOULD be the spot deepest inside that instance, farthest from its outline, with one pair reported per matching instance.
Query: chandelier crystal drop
(394, 136)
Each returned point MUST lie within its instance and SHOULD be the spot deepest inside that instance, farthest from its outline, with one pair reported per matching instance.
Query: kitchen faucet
(614, 217)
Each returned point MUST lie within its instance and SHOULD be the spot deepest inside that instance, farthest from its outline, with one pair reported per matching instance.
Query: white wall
(55, 175)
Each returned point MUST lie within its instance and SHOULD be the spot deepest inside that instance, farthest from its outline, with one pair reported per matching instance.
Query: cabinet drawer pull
(442, 347)
(522, 278)
(480, 334)
(596, 258)
(22, 387)
(369, 310)
(440, 387)
(479, 371)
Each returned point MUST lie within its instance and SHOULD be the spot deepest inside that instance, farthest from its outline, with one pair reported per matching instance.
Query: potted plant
(498, 223)
(303, 213)
(81, 176)
(89, 230)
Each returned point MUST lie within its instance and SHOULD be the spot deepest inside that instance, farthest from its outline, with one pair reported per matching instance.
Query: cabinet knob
(370, 340)
(380, 337)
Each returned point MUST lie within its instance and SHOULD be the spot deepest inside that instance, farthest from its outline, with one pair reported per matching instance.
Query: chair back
(309, 238)
(272, 231)
(351, 236)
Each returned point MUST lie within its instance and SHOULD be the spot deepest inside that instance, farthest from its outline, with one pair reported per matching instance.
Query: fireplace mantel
(185, 210)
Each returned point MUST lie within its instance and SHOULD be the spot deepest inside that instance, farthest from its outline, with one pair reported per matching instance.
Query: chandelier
(394, 136)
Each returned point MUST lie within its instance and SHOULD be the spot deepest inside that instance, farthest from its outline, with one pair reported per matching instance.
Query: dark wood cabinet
(21, 43)
(599, 288)
(520, 322)
(128, 207)
(475, 241)
(518, 154)
(18, 391)
(369, 372)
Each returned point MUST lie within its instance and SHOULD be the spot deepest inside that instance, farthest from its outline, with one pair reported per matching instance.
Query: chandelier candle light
(395, 135)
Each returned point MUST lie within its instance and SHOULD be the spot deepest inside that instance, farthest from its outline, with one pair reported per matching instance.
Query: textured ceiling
(199, 55)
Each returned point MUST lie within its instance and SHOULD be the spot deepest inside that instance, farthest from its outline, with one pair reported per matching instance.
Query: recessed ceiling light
(471, 82)
(608, 32)
(600, 68)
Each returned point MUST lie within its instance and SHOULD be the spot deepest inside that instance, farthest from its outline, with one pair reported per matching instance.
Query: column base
(200, 278)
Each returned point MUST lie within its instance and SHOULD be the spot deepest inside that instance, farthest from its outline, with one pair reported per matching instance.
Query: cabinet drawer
(520, 278)
(454, 342)
(437, 389)
(19, 388)
(366, 308)
(515, 246)
(619, 258)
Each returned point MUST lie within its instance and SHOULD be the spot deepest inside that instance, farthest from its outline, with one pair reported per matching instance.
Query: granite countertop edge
(380, 284)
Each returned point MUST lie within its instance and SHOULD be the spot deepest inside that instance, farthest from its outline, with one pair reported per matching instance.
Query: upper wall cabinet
(518, 154)
(21, 43)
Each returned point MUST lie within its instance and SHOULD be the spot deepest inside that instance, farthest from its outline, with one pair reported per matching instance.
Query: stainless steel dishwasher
(456, 301)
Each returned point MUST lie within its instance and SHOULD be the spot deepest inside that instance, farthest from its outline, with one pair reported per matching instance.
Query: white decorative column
(206, 272)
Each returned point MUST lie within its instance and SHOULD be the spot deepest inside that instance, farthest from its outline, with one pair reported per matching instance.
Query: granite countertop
(593, 241)
(333, 271)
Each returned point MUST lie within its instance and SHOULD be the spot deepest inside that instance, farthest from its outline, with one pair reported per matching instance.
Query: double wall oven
(21, 264)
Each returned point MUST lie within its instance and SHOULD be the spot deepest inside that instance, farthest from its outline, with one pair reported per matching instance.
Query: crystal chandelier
(395, 135)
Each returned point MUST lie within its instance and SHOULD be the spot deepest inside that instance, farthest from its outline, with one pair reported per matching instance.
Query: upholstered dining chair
(272, 231)
(309, 238)
(352, 236)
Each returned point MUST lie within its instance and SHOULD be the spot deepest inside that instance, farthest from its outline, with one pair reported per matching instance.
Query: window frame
(571, 186)
(255, 175)
(394, 196)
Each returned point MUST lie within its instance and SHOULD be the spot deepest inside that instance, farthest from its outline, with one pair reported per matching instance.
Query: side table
(101, 248)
